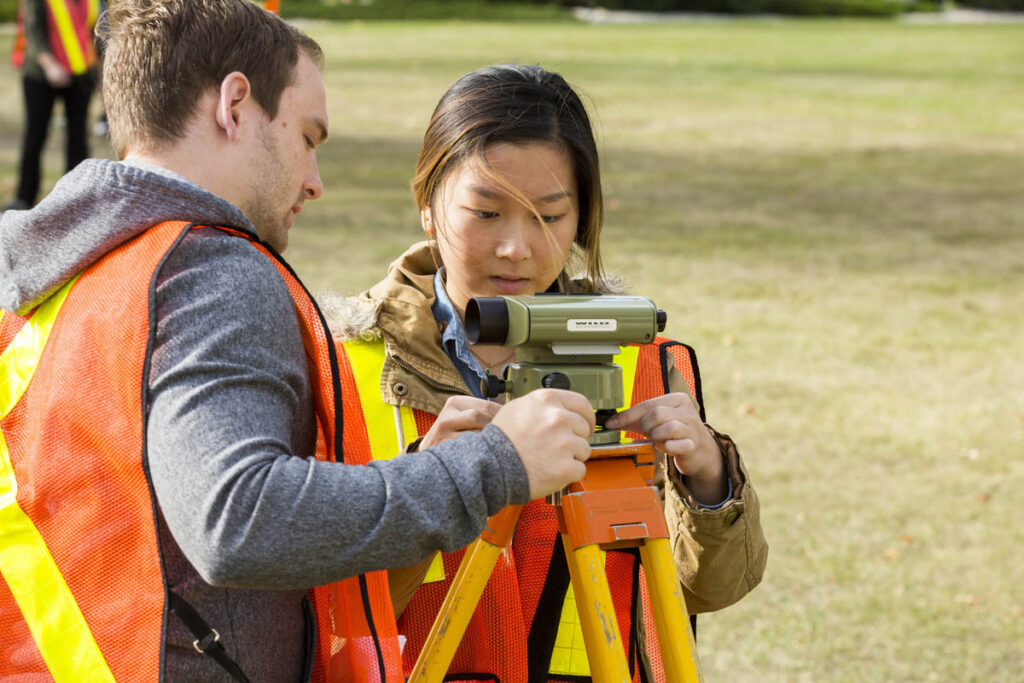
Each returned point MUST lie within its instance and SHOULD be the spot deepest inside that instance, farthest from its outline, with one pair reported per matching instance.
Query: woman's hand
(672, 422)
(460, 414)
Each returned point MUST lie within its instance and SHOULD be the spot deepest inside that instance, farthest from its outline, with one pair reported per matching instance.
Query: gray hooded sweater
(248, 520)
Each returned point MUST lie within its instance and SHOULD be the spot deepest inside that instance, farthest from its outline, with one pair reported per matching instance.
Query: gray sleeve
(230, 436)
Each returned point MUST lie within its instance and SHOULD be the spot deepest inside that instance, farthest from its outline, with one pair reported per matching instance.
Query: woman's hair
(517, 104)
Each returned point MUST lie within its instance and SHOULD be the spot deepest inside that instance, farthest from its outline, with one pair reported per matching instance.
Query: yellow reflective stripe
(20, 358)
(50, 611)
(68, 36)
(569, 656)
(94, 12)
(367, 361)
(627, 359)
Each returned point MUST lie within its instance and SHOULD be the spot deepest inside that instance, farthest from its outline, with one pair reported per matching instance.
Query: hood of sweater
(92, 210)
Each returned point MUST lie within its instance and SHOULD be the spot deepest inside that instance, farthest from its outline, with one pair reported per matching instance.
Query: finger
(627, 418)
(581, 450)
(678, 447)
(467, 421)
(460, 402)
(670, 429)
(682, 414)
(574, 471)
(579, 425)
(575, 402)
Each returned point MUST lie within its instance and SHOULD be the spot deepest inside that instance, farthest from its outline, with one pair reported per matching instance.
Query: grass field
(833, 215)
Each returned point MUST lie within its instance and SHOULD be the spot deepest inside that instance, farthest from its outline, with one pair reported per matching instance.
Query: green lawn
(832, 212)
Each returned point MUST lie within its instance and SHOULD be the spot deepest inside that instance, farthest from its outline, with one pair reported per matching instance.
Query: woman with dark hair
(509, 191)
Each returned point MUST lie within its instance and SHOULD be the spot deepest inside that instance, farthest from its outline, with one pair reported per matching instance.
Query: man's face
(285, 169)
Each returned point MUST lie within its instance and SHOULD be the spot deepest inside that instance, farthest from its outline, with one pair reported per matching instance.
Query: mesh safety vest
(69, 24)
(525, 627)
(83, 594)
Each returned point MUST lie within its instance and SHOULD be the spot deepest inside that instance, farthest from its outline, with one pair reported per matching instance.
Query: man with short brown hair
(171, 478)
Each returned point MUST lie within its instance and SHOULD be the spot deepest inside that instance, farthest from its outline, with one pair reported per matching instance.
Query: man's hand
(549, 428)
(672, 422)
(460, 414)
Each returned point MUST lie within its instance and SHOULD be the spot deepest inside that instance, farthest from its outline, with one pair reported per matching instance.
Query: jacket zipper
(431, 383)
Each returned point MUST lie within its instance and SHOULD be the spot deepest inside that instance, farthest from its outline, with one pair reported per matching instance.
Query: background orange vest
(76, 440)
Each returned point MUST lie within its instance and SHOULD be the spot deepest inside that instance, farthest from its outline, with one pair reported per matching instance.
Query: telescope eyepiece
(487, 320)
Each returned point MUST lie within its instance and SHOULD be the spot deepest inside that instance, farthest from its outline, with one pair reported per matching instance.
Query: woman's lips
(508, 285)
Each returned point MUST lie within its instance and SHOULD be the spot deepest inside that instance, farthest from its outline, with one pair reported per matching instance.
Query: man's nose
(313, 188)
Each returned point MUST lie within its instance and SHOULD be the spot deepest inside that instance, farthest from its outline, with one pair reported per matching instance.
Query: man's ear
(234, 92)
(427, 219)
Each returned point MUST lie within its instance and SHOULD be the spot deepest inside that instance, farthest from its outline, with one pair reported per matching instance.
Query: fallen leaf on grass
(891, 553)
(966, 599)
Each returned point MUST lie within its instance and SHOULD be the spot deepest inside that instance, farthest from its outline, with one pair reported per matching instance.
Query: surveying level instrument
(568, 341)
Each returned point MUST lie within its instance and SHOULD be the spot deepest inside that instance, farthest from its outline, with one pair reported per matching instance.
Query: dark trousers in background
(39, 100)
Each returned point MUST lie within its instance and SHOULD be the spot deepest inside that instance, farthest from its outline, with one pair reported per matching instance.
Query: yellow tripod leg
(597, 613)
(462, 598)
(678, 648)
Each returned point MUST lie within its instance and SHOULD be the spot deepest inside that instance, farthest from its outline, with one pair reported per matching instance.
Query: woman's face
(491, 243)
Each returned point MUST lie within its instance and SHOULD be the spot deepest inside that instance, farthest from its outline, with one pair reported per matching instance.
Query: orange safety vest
(525, 615)
(18, 48)
(83, 595)
(71, 23)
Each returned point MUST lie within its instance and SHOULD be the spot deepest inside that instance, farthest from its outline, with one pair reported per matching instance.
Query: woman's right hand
(460, 414)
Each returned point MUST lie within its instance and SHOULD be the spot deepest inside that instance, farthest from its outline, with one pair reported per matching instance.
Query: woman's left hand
(672, 422)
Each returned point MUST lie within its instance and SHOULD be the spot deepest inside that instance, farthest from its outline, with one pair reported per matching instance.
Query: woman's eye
(484, 215)
(309, 142)
(552, 219)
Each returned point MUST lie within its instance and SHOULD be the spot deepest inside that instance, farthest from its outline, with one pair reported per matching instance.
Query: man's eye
(309, 142)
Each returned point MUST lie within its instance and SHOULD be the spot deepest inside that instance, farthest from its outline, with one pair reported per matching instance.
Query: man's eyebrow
(488, 193)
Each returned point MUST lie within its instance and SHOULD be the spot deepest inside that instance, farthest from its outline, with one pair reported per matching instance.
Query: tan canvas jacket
(720, 554)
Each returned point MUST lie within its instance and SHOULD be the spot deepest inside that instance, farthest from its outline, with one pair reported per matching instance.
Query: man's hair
(163, 55)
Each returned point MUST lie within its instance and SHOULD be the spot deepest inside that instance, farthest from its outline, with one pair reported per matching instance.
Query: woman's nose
(514, 243)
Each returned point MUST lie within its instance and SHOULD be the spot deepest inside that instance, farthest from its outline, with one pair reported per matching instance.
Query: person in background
(509, 193)
(58, 60)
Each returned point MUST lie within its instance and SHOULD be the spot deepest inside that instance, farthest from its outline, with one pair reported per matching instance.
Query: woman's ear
(427, 219)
